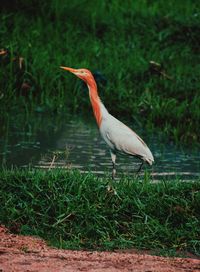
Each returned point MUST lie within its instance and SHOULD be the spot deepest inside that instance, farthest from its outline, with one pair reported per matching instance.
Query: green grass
(73, 210)
(119, 41)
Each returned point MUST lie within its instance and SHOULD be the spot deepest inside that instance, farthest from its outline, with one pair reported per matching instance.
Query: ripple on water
(79, 146)
(89, 153)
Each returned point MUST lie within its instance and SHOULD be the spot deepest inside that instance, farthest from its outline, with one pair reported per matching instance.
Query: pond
(76, 144)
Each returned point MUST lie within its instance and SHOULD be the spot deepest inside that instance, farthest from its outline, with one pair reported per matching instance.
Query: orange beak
(68, 69)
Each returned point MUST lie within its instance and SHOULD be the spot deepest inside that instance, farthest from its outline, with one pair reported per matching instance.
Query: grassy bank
(76, 211)
(117, 40)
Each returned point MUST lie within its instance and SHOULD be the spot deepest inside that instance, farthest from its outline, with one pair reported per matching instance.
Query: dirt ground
(25, 253)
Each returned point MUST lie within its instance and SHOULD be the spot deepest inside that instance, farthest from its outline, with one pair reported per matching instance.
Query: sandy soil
(24, 253)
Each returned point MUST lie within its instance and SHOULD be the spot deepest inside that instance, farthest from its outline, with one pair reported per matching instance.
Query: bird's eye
(81, 73)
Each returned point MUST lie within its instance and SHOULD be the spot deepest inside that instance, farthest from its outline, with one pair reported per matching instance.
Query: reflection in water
(85, 150)
(78, 145)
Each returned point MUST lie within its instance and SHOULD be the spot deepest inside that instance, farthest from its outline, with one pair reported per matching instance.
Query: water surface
(77, 144)
(85, 150)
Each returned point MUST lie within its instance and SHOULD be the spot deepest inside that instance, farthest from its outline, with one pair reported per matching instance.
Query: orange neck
(95, 100)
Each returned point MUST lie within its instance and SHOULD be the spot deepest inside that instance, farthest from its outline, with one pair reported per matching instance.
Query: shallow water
(78, 145)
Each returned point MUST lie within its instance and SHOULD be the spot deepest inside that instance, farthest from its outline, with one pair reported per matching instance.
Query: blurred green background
(145, 54)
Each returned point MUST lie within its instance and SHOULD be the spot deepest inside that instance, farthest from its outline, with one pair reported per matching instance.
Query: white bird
(119, 137)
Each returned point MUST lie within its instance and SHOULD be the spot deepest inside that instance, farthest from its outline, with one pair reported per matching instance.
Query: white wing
(121, 138)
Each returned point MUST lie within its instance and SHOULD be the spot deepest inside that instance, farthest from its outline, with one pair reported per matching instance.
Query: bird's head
(83, 74)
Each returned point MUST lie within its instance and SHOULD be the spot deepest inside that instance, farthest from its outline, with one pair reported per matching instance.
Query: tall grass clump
(76, 211)
(117, 40)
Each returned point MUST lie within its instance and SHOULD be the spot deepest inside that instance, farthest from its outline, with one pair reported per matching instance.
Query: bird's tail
(149, 159)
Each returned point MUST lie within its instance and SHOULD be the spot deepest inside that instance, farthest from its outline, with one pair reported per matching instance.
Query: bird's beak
(68, 69)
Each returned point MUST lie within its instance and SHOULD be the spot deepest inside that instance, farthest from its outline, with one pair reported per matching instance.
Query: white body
(118, 136)
(121, 138)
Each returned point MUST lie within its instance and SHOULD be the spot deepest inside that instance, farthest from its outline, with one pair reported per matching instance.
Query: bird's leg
(110, 187)
(113, 157)
(139, 169)
(113, 171)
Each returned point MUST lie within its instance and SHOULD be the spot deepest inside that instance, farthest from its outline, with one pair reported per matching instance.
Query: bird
(119, 137)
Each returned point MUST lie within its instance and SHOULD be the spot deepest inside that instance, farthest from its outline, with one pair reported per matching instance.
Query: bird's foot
(111, 190)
